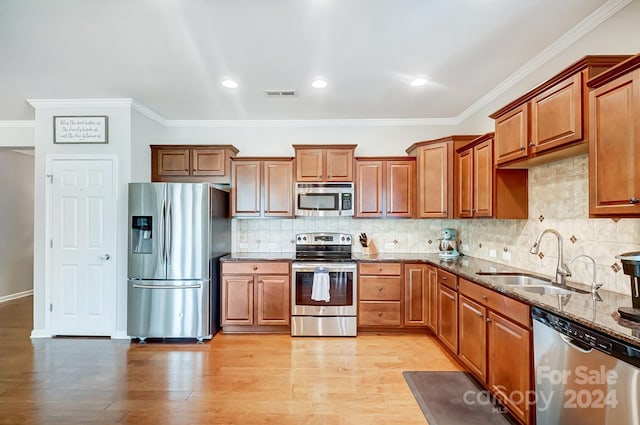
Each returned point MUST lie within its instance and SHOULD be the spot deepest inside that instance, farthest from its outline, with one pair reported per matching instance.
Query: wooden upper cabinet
(614, 145)
(556, 114)
(333, 163)
(339, 165)
(278, 188)
(551, 121)
(385, 187)
(512, 135)
(435, 175)
(192, 163)
(369, 189)
(171, 162)
(262, 187)
(484, 191)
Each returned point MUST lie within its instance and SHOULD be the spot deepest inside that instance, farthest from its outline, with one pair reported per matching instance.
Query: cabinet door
(556, 115)
(278, 188)
(400, 188)
(209, 162)
(237, 300)
(369, 188)
(273, 300)
(416, 295)
(339, 166)
(464, 179)
(448, 317)
(246, 189)
(432, 316)
(473, 337)
(172, 162)
(509, 369)
(483, 179)
(614, 147)
(512, 135)
(433, 186)
(309, 165)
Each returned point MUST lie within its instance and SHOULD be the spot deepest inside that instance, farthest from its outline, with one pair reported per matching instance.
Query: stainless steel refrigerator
(177, 233)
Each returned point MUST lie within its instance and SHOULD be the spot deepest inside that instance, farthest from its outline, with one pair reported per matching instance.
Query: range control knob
(342, 238)
(299, 238)
(348, 238)
(304, 238)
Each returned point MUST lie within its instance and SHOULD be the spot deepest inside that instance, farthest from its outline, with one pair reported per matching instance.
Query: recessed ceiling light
(230, 84)
(418, 82)
(319, 84)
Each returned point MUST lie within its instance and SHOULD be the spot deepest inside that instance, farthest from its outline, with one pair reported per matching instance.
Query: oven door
(342, 289)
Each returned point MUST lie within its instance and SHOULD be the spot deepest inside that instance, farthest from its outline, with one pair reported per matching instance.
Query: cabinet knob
(484, 297)
(531, 144)
(488, 320)
(379, 314)
(380, 269)
(634, 200)
(522, 148)
(481, 315)
(255, 268)
(444, 278)
(380, 289)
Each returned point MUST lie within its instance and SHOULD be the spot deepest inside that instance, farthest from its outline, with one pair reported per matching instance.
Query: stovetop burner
(329, 247)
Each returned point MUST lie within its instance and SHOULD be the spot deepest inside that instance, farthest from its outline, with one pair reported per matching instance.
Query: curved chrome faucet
(562, 271)
(594, 286)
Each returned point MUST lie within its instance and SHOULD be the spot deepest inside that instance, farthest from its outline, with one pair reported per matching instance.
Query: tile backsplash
(558, 199)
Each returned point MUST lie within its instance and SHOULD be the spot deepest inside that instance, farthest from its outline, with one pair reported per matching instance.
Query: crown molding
(601, 14)
(314, 123)
(18, 124)
(149, 113)
(81, 103)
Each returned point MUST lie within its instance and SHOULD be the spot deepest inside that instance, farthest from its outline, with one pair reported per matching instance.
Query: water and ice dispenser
(141, 234)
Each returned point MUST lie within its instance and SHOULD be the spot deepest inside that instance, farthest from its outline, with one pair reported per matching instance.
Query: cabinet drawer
(380, 268)
(379, 314)
(242, 267)
(379, 288)
(508, 307)
(448, 279)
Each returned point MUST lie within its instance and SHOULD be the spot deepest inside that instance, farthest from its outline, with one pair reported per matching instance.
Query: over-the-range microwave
(324, 199)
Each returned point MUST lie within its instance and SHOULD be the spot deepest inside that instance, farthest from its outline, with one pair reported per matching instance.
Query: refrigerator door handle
(169, 238)
(162, 227)
(193, 286)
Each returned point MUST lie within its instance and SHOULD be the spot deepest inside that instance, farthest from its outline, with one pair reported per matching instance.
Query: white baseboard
(120, 335)
(16, 296)
(40, 333)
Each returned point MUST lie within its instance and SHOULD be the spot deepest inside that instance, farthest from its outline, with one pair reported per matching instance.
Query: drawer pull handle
(484, 297)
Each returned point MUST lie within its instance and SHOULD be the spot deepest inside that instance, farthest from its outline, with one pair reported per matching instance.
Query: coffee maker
(631, 266)
(448, 243)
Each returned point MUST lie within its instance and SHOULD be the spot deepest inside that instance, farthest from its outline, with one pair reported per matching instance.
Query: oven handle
(332, 267)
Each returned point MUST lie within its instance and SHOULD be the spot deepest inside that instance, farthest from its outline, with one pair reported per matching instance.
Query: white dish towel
(320, 288)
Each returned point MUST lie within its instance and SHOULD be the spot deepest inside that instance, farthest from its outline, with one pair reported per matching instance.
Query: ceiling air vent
(280, 93)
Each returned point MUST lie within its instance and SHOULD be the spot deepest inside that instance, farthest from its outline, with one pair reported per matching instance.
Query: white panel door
(83, 241)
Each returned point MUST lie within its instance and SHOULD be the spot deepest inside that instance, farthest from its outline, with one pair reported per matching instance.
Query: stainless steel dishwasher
(583, 376)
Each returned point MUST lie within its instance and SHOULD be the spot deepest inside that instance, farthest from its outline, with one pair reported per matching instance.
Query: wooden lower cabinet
(472, 349)
(448, 317)
(509, 350)
(379, 295)
(416, 295)
(432, 284)
(255, 299)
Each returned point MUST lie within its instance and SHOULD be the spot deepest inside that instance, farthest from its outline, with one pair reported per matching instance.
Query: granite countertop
(596, 312)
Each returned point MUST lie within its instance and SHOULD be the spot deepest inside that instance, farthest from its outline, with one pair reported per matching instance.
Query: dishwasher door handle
(569, 341)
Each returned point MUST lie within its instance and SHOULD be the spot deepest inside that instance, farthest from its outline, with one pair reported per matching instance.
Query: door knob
(105, 257)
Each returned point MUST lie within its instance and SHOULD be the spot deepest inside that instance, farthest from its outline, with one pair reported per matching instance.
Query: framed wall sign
(81, 129)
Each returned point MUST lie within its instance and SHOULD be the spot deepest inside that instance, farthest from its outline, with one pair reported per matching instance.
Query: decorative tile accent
(541, 218)
(615, 267)
(541, 255)
(573, 239)
(480, 245)
(429, 241)
(505, 249)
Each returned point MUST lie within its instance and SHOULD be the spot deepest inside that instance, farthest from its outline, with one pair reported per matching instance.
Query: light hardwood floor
(232, 379)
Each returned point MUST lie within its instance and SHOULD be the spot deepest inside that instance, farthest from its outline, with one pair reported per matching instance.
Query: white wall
(144, 132)
(16, 222)
(119, 113)
(18, 134)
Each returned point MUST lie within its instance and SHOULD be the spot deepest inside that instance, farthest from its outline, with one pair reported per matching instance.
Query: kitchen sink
(512, 278)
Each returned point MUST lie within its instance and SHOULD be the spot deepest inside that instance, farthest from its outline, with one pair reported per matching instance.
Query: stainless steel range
(324, 286)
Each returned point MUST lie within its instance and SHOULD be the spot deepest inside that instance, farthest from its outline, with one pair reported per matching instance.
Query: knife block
(370, 249)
